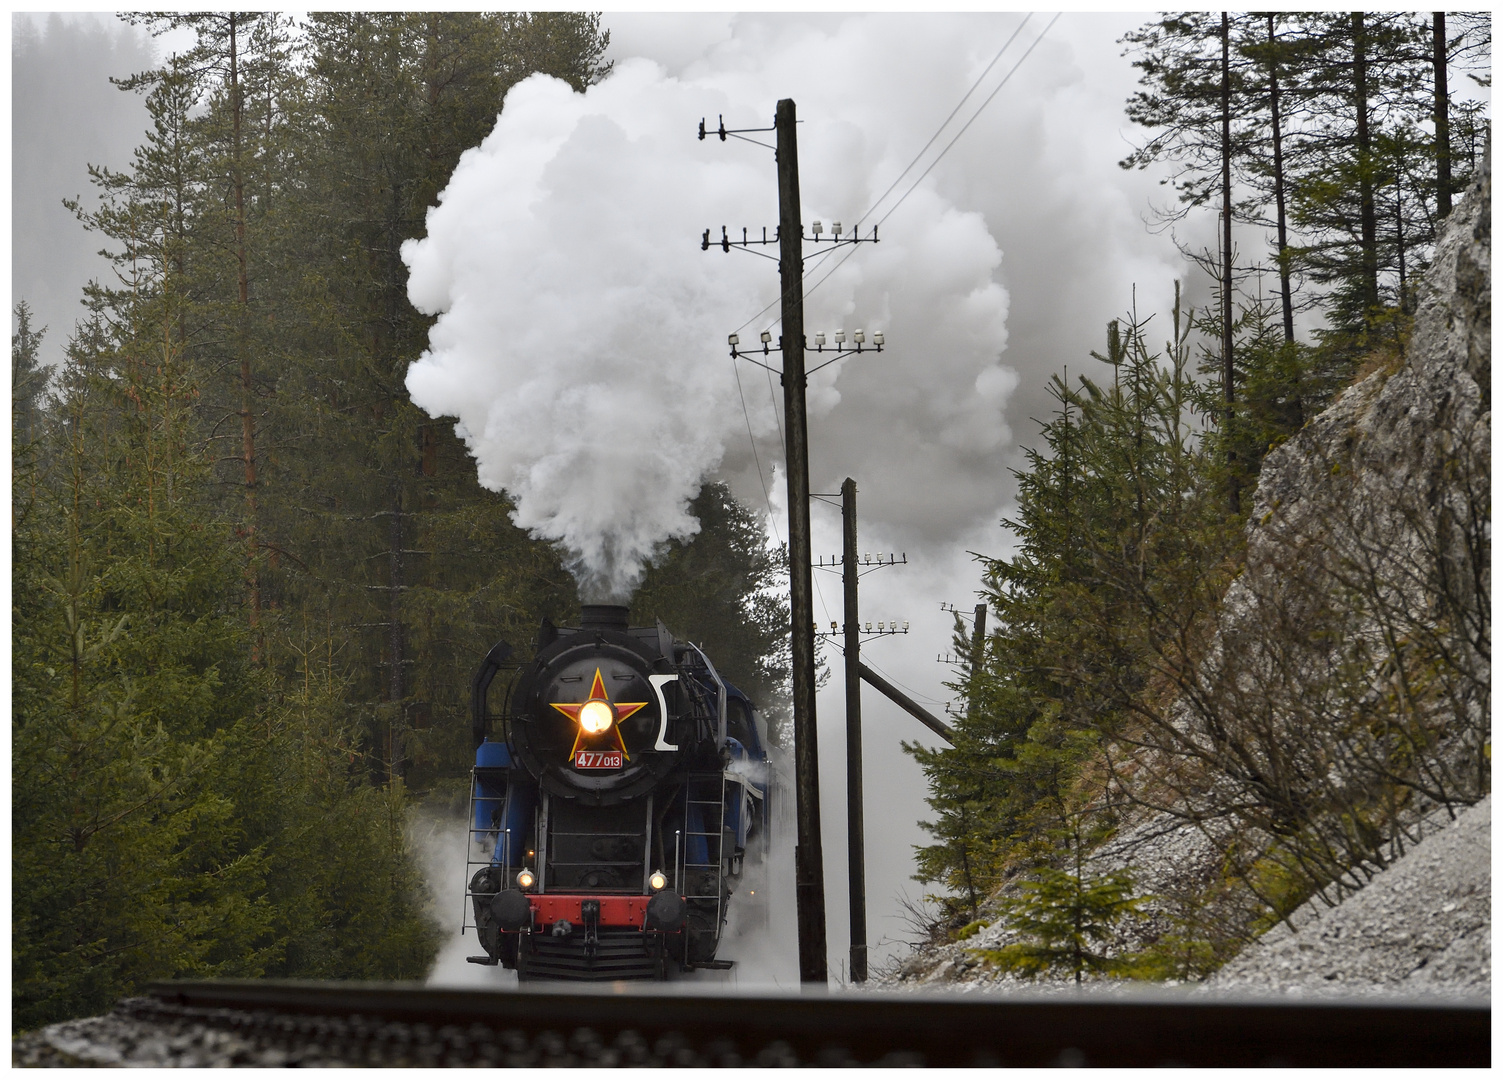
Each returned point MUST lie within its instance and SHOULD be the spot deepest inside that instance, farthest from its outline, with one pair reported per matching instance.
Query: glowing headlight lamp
(596, 717)
(657, 881)
(525, 879)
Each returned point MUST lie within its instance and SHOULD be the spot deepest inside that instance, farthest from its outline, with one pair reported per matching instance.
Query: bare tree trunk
(396, 683)
(1442, 116)
(1227, 387)
(1275, 104)
(1398, 224)
(1369, 211)
(247, 388)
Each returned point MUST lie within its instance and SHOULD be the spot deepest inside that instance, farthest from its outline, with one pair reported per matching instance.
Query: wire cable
(916, 695)
(914, 186)
(972, 120)
(947, 119)
(917, 157)
(766, 497)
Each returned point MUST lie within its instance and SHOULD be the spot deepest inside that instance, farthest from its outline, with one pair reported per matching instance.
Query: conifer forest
(251, 580)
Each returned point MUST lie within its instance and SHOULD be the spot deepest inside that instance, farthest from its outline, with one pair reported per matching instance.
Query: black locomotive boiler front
(616, 804)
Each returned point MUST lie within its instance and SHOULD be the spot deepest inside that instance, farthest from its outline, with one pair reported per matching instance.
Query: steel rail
(352, 1022)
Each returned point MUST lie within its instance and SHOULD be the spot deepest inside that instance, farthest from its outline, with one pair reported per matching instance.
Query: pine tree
(28, 379)
(1324, 128)
(1360, 81)
(1201, 97)
(1067, 920)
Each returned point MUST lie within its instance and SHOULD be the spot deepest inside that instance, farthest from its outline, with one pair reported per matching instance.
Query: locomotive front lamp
(658, 880)
(596, 716)
(525, 879)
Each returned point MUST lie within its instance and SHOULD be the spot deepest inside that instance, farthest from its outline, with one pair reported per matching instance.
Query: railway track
(290, 1023)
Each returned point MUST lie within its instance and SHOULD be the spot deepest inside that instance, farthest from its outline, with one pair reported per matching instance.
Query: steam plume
(581, 331)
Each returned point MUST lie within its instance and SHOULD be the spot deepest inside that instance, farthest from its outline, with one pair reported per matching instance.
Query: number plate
(598, 759)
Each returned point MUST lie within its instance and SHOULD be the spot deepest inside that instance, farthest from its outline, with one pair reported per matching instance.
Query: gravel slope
(1422, 927)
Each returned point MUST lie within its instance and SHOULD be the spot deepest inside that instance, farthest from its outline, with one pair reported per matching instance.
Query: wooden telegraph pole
(809, 855)
(856, 819)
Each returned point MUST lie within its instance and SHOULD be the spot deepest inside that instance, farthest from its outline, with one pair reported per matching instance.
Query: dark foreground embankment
(278, 1023)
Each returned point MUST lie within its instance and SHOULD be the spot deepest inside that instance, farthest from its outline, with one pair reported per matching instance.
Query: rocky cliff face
(1352, 651)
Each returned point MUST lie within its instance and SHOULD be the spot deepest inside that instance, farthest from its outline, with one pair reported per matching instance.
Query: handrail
(720, 684)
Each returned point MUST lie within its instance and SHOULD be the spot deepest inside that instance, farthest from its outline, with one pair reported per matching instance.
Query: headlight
(596, 716)
(525, 879)
(657, 881)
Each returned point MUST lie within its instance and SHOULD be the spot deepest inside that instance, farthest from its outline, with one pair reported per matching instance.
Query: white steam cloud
(581, 333)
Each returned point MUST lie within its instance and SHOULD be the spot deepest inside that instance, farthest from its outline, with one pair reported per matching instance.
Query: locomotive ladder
(499, 841)
(712, 831)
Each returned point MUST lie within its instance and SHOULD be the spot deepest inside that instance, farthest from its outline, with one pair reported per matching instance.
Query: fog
(65, 116)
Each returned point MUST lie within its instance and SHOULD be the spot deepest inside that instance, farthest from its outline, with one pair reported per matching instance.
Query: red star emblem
(620, 710)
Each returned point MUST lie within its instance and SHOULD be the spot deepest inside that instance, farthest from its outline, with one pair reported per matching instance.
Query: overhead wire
(925, 148)
(771, 521)
(911, 188)
(966, 97)
(916, 695)
(914, 186)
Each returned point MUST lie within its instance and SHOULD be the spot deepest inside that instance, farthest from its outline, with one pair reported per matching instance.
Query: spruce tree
(1116, 553)
(28, 379)
(1068, 920)
(130, 683)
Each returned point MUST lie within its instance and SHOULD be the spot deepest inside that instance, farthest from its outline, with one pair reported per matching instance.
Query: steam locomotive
(616, 804)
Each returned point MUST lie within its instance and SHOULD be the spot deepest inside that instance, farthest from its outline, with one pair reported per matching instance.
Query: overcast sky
(1033, 186)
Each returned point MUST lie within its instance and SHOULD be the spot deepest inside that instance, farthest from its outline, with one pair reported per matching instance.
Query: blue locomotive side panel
(505, 800)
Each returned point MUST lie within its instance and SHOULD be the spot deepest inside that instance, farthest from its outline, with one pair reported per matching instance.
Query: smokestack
(603, 617)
